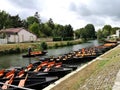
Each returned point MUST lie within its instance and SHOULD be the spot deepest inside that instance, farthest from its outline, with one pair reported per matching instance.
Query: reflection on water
(63, 50)
(17, 60)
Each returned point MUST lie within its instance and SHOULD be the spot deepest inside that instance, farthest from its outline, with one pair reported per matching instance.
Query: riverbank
(22, 47)
(98, 75)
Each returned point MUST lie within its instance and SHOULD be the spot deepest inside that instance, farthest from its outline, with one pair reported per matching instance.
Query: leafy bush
(11, 51)
(17, 50)
(43, 45)
(55, 45)
(69, 43)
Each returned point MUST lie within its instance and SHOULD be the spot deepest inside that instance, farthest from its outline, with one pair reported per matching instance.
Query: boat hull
(78, 60)
(33, 83)
(27, 56)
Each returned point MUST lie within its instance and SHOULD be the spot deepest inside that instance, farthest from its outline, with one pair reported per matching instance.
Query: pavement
(116, 85)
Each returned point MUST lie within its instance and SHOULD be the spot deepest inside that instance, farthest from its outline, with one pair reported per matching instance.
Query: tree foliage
(51, 29)
(99, 34)
(88, 32)
(31, 20)
(107, 30)
(35, 28)
(8, 21)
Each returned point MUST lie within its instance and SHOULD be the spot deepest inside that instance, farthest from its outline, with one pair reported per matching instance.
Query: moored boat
(35, 53)
(36, 83)
(110, 41)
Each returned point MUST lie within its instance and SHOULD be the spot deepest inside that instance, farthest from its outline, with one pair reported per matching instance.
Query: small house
(16, 35)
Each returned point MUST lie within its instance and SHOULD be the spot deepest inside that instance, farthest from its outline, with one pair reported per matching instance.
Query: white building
(16, 35)
(118, 33)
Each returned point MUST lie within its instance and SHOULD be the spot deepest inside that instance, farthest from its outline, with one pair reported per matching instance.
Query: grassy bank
(99, 75)
(22, 47)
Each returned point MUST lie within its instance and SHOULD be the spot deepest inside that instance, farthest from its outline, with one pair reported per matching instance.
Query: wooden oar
(40, 66)
(57, 65)
(9, 74)
(47, 69)
(29, 67)
(21, 73)
(8, 82)
(2, 72)
(44, 63)
(51, 64)
(22, 82)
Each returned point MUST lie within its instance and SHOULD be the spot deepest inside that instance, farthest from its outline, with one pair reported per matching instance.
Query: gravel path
(104, 78)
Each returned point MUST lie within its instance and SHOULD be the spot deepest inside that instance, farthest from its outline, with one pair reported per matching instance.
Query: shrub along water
(23, 47)
(56, 45)
(43, 45)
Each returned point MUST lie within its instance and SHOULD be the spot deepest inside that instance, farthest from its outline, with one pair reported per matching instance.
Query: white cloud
(78, 13)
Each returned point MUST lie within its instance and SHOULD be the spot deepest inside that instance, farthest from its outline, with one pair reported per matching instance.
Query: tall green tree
(8, 21)
(50, 23)
(37, 16)
(77, 33)
(57, 31)
(44, 28)
(83, 33)
(68, 31)
(15, 21)
(35, 28)
(114, 29)
(90, 31)
(30, 20)
(107, 30)
(3, 17)
(100, 34)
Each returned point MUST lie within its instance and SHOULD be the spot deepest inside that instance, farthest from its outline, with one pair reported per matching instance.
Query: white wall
(118, 33)
(22, 36)
(3, 41)
(13, 38)
(25, 36)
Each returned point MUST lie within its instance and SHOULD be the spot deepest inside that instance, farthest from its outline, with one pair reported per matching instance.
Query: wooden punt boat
(73, 67)
(59, 72)
(78, 60)
(7, 74)
(37, 83)
(33, 54)
(105, 47)
(58, 64)
(110, 41)
(52, 70)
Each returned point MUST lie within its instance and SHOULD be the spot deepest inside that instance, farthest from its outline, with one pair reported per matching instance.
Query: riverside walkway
(101, 73)
(108, 76)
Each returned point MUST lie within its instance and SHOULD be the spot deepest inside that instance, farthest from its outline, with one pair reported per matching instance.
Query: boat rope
(17, 86)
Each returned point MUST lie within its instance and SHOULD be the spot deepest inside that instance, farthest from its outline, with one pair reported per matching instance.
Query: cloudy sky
(78, 13)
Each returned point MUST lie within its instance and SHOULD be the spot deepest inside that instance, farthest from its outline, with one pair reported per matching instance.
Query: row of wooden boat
(45, 71)
(20, 80)
(82, 55)
(27, 82)
(35, 76)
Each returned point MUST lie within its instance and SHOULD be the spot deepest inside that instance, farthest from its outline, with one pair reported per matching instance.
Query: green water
(17, 60)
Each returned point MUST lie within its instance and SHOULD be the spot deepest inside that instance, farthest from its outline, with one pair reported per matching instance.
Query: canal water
(9, 61)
